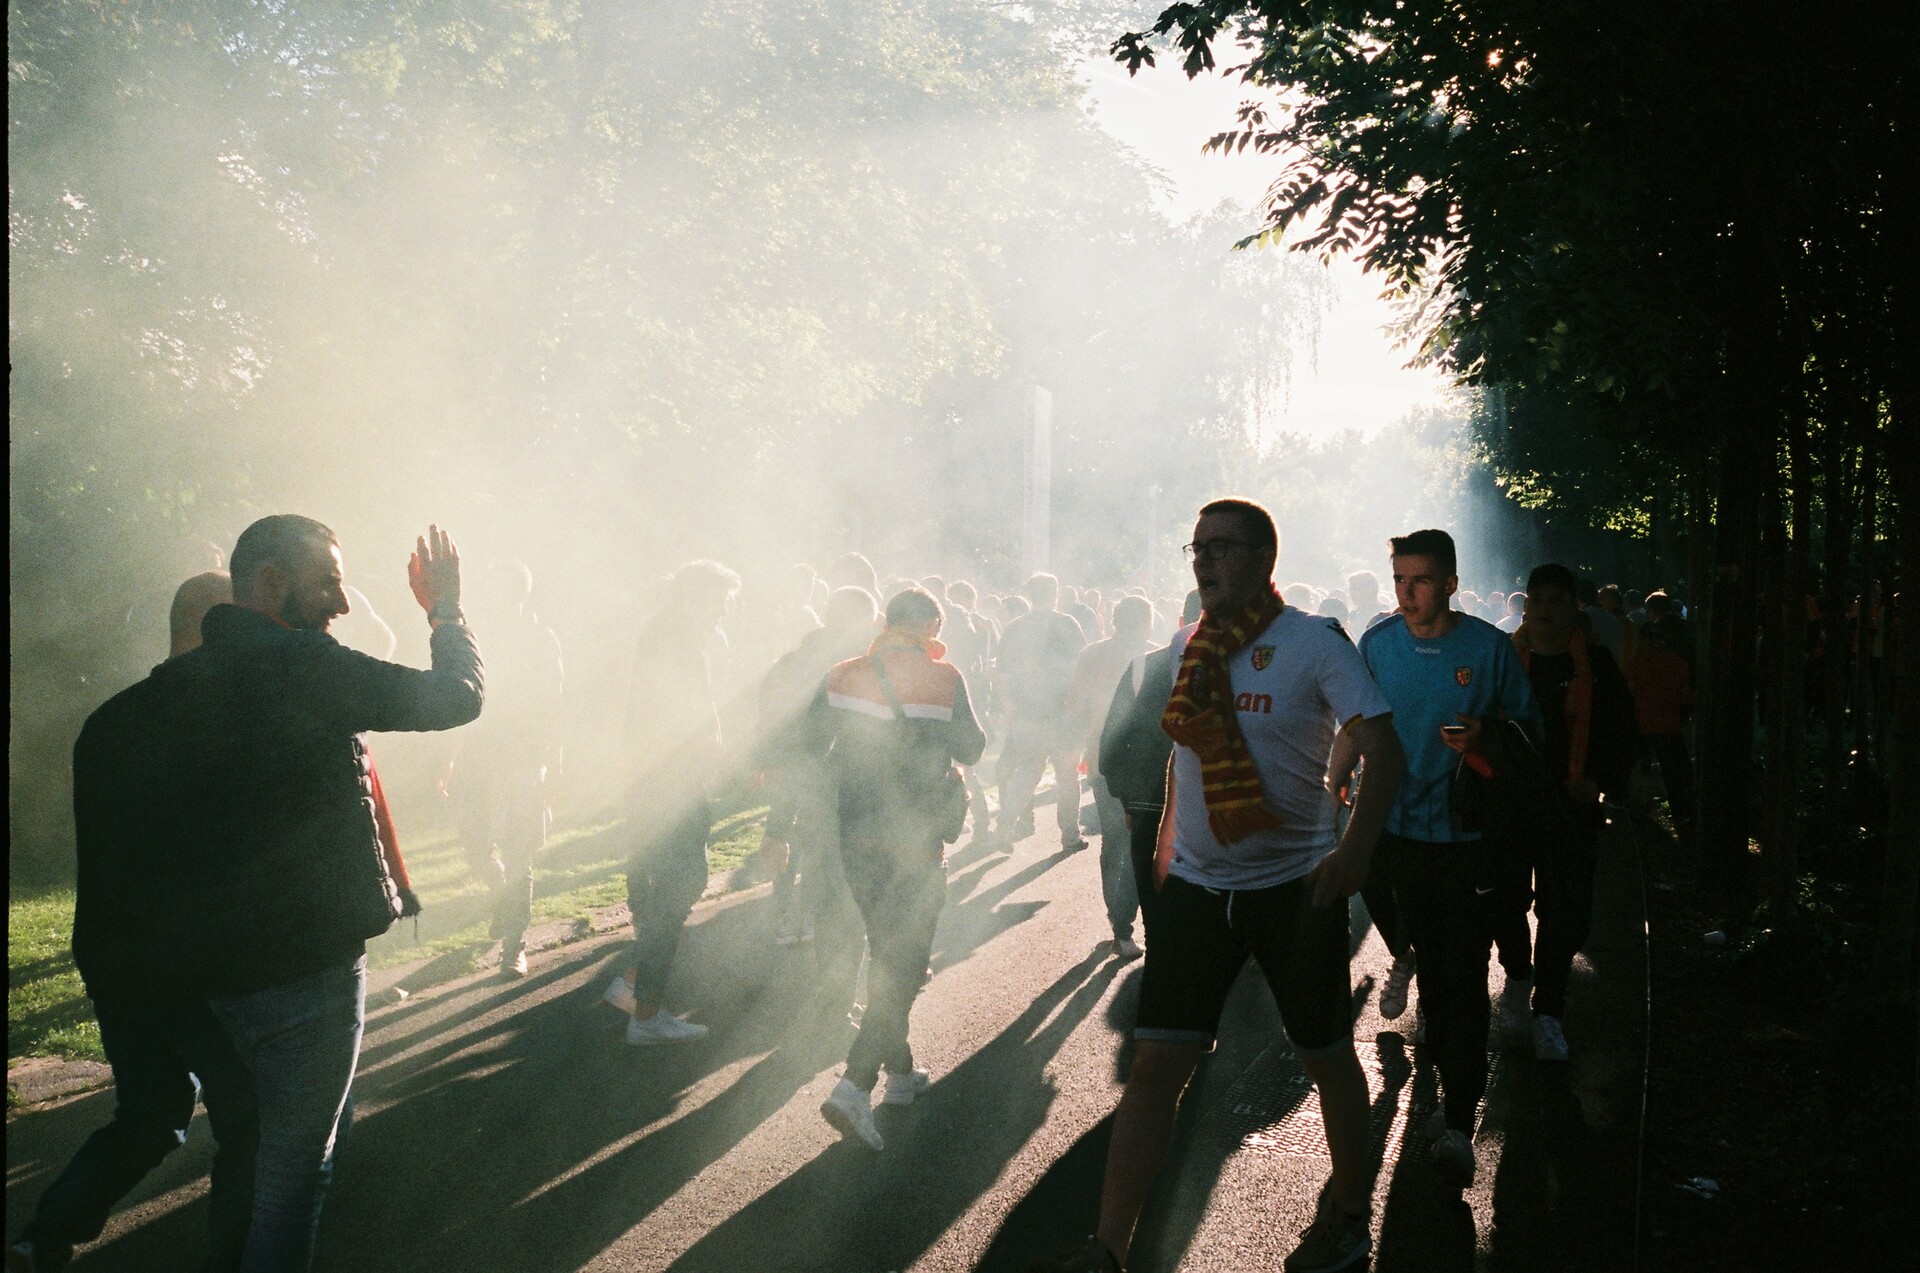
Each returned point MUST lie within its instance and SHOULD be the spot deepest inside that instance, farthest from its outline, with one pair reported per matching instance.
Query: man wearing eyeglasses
(1249, 865)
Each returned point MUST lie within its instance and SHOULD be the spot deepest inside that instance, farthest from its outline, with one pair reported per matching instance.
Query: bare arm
(1163, 847)
(1342, 872)
(1346, 755)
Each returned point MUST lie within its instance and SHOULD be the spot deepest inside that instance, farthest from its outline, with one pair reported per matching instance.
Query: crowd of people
(1254, 756)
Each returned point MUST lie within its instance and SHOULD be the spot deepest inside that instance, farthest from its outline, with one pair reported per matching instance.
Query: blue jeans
(302, 1042)
(157, 1048)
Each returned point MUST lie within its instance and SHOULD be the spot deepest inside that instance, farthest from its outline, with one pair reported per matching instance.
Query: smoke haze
(604, 289)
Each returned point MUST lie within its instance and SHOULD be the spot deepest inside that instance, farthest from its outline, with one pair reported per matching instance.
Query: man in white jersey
(1251, 866)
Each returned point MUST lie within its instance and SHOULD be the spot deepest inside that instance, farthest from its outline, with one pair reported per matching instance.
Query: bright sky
(1360, 381)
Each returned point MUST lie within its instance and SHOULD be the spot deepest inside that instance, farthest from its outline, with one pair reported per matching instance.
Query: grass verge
(581, 870)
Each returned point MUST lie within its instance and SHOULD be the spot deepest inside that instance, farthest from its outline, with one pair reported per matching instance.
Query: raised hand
(433, 572)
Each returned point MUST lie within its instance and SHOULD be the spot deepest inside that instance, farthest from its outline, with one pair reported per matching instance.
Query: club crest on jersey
(1463, 676)
(1262, 656)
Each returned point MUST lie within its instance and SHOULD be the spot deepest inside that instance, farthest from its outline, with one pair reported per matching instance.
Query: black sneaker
(1094, 1257)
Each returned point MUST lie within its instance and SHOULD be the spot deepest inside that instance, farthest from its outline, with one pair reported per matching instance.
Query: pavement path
(508, 1126)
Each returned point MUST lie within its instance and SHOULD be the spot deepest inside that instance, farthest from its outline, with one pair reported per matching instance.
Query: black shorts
(1203, 941)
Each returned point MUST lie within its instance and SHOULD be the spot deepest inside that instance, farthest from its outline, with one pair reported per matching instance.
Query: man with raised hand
(273, 801)
(1449, 676)
(1252, 867)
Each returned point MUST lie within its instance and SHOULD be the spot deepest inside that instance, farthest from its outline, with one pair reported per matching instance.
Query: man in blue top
(1446, 674)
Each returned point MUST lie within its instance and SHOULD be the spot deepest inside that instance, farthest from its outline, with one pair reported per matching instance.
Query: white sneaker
(1549, 1040)
(850, 1110)
(515, 966)
(904, 1089)
(663, 1027)
(619, 993)
(1126, 949)
(1514, 1014)
(1393, 996)
(1453, 1155)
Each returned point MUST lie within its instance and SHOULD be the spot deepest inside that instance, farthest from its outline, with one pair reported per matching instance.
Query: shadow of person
(1422, 1225)
(850, 1209)
(972, 919)
(1550, 1162)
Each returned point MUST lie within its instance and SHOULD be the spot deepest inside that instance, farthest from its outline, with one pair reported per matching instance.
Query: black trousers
(1563, 903)
(157, 1049)
(1451, 926)
(899, 892)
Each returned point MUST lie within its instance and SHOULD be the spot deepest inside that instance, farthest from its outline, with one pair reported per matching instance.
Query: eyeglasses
(1212, 549)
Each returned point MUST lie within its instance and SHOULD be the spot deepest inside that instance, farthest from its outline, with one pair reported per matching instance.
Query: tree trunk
(1727, 747)
(1842, 505)
(1900, 896)
(1860, 688)
(1786, 665)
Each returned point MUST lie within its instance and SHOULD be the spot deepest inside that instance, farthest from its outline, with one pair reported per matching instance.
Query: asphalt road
(508, 1126)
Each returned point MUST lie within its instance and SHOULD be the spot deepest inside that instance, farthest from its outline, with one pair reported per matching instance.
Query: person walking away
(1449, 677)
(893, 723)
(1035, 669)
(1663, 695)
(1251, 868)
(673, 746)
(1589, 742)
(1133, 753)
(801, 841)
(971, 639)
(162, 1042)
(1363, 588)
(498, 778)
(1097, 673)
(285, 877)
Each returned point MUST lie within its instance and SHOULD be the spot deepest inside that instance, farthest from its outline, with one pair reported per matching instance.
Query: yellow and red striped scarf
(1200, 716)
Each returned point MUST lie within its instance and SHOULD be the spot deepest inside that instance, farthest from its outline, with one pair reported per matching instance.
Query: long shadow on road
(850, 1210)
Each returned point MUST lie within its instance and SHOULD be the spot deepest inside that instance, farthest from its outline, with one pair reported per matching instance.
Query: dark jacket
(262, 800)
(129, 872)
(892, 767)
(1133, 747)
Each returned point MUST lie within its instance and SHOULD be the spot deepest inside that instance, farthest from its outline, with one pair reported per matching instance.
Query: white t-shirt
(1294, 686)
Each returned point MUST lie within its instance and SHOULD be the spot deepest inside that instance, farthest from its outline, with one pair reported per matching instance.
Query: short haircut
(1436, 544)
(850, 607)
(1516, 601)
(1132, 614)
(911, 607)
(279, 540)
(1659, 603)
(703, 576)
(1363, 581)
(191, 601)
(1255, 522)
(1039, 585)
(961, 593)
(853, 569)
(1552, 576)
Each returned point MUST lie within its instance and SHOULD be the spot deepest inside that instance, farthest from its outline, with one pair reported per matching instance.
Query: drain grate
(1271, 1109)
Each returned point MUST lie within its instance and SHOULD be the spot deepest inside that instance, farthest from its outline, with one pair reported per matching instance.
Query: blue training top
(1473, 671)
